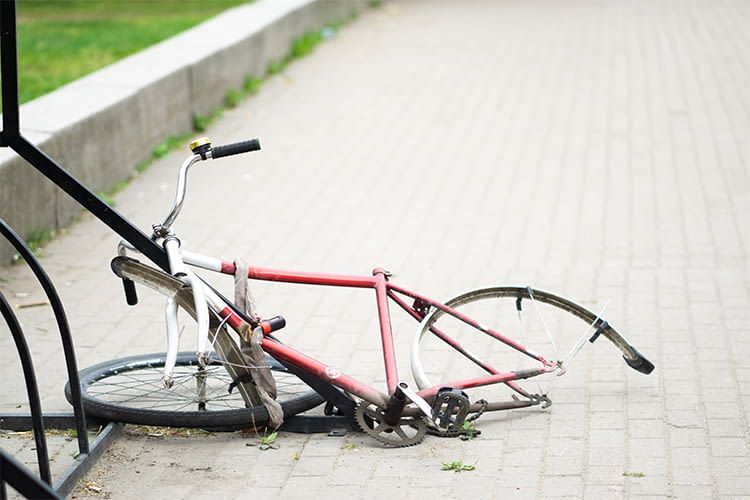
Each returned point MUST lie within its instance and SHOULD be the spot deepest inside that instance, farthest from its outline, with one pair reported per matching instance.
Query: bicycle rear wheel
(130, 390)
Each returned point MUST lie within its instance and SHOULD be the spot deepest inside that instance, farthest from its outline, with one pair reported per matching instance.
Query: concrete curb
(100, 126)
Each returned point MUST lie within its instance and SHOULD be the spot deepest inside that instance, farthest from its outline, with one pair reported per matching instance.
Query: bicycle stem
(179, 199)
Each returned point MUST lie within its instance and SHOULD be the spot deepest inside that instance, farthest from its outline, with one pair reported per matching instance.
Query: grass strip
(62, 40)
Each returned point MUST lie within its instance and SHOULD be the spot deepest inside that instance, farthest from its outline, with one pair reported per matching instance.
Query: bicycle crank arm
(415, 398)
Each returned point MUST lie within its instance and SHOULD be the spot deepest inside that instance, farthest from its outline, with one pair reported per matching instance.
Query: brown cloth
(252, 351)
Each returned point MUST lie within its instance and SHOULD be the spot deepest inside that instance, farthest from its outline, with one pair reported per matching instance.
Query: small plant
(375, 3)
(106, 198)
(252, 84)
(275, 67)
(469, 431)
(296, 455)
(305, 44)
(161, 149)
(633, 474)
(457, 466)
(142, 166)
(349, 446)
(38, 239)
(168, 145)
(233, 98)
(200, 122)
(268, 442)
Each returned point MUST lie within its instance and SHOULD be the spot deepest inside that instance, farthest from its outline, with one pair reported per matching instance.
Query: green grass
(62, 40)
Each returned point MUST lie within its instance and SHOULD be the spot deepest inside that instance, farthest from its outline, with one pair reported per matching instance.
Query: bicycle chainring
(371, 420)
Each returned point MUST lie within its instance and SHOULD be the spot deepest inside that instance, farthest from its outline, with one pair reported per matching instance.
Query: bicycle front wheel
(130, 390)
(534, 319)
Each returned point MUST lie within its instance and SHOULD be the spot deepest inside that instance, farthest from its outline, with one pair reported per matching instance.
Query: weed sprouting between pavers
(457, 466)
(38, 238)
(633, 474)
(36, 241)
(268, 441)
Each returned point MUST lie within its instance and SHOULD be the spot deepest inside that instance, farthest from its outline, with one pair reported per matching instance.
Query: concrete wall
(100, 126)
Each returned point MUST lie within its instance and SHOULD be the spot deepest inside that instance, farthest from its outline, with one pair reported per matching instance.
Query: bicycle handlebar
(235, 148)
(202, 150)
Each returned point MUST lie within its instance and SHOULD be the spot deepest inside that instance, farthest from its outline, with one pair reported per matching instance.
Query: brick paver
(599, 149)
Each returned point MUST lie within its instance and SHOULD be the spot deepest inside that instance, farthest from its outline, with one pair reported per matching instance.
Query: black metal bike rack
(12, 472)
(22, 480)
(37, 420)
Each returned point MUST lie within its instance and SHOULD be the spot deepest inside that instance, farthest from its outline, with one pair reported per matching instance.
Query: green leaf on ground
(457, 466)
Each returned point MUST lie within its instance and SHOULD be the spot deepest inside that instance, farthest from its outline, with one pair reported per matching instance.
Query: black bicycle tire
(517, 292)
(225, 420)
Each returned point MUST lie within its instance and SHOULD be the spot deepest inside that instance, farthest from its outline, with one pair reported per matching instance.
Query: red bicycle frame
(384, 290)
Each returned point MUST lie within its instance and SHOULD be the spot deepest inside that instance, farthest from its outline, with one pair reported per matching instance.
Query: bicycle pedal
(449, 409)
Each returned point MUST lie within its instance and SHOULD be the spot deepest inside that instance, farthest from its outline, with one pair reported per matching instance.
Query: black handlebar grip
(131, 297)
(235, 148)
(273, 324)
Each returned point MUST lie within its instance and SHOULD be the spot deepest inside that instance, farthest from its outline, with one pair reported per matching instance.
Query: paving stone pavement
(598, 149)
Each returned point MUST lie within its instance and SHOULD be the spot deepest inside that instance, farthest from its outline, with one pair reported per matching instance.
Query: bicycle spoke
(525, 336)
(586, 334)
(146, 391)
(544, 323)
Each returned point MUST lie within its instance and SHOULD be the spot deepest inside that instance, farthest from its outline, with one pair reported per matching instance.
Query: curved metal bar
(179, 197)
(554, 300)
(31, 388)
(22, 480)
(62, 325)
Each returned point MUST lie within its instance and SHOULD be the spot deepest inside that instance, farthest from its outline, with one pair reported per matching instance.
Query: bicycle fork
(178, 270)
